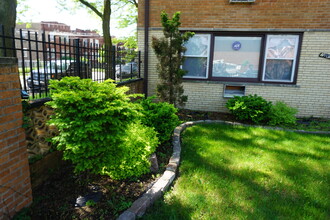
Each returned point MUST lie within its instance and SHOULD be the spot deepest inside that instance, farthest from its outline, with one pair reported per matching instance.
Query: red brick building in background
(55, 32)
(274, 48)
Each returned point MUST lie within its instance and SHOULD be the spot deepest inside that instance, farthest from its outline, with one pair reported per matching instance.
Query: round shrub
(251, 108)
(94, 120)
(282, 114)
(161, 116)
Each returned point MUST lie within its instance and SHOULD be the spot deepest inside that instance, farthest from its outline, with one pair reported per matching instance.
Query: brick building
(273, 48)
(55, 32)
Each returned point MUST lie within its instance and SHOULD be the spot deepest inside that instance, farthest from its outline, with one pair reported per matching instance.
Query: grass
(237, 172)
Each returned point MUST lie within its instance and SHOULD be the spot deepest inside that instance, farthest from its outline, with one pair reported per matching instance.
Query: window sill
(241, 83)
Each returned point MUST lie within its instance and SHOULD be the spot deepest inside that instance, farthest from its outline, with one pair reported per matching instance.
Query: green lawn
(232, 172)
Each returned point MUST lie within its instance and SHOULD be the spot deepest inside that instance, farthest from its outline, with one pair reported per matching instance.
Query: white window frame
(294, 59)
(207, 58)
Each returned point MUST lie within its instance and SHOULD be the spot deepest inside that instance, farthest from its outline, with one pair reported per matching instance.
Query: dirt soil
(57, 197)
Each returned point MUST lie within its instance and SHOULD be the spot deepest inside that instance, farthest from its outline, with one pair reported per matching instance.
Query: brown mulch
(188, 115)
(56, 198)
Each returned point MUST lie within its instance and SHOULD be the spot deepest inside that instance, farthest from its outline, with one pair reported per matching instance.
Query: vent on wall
(233, 90)
(240, 1)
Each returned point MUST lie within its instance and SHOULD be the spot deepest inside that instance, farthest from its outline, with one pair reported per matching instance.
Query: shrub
(161, 116)
(169, 52)
(137, 145)
(94, 120)
(250, 108)
(282, 114)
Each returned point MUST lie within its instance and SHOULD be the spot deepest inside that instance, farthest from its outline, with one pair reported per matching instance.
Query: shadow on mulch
(56, 198)
(188, 115)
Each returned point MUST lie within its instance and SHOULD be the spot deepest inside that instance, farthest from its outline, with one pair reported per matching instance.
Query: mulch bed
(56, 198)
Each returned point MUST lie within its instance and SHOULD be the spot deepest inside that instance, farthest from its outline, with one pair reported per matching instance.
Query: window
(280, 59)
(197, 56)
(245, 57)
(236, 57)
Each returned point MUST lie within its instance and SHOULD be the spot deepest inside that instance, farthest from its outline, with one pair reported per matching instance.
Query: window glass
(236, 57)
(281, 52)
(197, 45)
(196, 66)
(281, 46)
(197, 56)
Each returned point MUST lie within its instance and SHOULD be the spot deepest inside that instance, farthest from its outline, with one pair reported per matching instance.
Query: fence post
(3, 41)
(77, 58)
(114, 62)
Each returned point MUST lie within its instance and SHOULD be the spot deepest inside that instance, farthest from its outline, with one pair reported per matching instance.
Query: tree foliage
(169, 50)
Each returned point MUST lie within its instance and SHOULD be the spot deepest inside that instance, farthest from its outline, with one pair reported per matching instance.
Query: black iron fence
(43, 57)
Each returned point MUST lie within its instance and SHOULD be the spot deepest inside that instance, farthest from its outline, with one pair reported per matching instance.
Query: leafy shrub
(137, 145)
(250, 108)
(161, 116)
(282, 114)
(94, 120)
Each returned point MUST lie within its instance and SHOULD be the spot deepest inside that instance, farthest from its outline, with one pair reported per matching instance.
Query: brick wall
(305, 14)
(15, 187)
(310, 95)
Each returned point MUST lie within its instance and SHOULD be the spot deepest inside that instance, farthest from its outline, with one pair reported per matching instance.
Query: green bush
(251, 108)
(137, 145)
(94, 120)
(282, 114)
(161, 116)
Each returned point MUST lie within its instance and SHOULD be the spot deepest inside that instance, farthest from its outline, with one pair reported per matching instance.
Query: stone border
(140, 205)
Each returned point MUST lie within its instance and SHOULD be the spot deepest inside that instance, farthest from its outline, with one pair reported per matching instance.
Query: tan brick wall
(309, 14)
(15, 186)
(311, 94)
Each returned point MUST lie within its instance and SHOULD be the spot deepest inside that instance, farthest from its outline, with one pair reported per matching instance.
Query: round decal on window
(236, 45)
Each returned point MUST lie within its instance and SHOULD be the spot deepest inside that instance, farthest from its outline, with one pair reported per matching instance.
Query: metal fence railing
(42, 57)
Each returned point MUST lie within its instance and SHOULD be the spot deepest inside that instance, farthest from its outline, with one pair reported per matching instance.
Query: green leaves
(256, 109)
(161, 116)
(282, 114)
(97, 122)
(251, 108)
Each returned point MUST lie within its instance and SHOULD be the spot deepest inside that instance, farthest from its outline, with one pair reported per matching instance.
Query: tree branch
(94, 9)
(134, 2)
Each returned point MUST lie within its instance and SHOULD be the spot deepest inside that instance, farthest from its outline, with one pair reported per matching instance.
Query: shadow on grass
(293, 184)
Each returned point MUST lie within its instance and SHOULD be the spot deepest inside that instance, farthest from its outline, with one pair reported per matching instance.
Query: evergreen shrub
(96, 122)
(161, 116)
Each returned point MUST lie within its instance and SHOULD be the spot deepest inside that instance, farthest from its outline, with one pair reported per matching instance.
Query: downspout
(146, 45)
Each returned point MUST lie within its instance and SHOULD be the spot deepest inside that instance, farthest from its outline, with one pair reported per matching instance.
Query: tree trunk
(8, 20)
(109, 71)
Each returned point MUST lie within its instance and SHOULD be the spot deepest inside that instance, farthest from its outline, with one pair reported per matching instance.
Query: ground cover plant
(235, 172)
